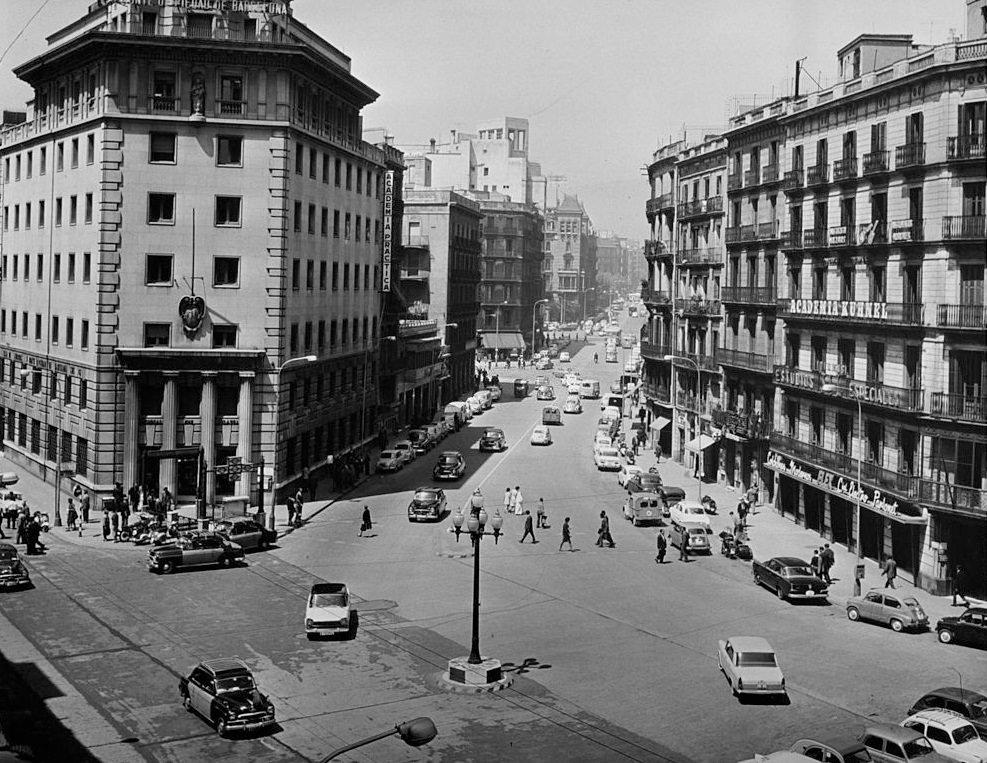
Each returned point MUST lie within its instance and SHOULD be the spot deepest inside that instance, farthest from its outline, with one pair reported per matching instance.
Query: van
(589, 389)
(615, 401)
(485, 397)
(644, 507)
(551, 415)
(457, 411)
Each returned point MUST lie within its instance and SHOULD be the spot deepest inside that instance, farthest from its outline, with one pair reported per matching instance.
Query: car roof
(790, 561)
(690, 505)
(225, 665)
(955, 692)
(947, 718)
(328, 588)
(386, 453)
(453, 453)
(750, 644)
(894, 733)
(842, 743)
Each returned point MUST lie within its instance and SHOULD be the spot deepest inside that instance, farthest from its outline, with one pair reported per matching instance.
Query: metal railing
(876, 162)
(792, 239)
(964, 227)
(749, 295)
(748, 232)
(843, 235)
(752, 361)
(792, 180)
(768, 230)
(907, 231)
(959, 406)
(749, 424)
(770, 173)
(702, 256)
(909, 155)
(817, 175)
(656, 297)
(815, 237)
(962, 317)
(690, 402)
(966, 147)
(658, 392)
(872, 233)
(735, 181)
(732, 235)
(752, 178)
(845, 169)
(697, 306)
(655, 351)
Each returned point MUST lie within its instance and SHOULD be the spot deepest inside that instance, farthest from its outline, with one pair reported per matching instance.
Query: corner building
(187, 207)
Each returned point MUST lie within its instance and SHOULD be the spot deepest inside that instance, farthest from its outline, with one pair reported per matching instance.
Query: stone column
(245, 414)
(800, 507)
(827, 518)
(207, 426)
(169, 425)
(131, 430)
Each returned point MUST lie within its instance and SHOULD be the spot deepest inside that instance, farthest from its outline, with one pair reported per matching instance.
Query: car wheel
(222, 727)
(852, 613)
(780, 593)
(226, 561)
(187, 702)
(167, 567)
(945, 636)
(757, 579)
(896, 625)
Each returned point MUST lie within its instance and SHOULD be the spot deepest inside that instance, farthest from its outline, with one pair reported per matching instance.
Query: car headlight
(309, 622)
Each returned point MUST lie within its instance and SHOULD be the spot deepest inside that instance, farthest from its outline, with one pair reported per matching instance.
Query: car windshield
(234, 683)
(757, 660)
(329, 600)
(448, 460)
(965, 734)
(426, 496)
(978, 709)
(608, 452)
(386, 454)
(792, 572)
(650, 480)
(918, 747)
(493, 433)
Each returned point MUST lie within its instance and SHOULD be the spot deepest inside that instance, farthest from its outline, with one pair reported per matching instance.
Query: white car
(606, 458)
(389, 461)
(690, 512)
(573, 389)
(406, 449)
(475, 406)
(573, 404)
(950, 734)
(571, 379)
(541, 435)
(750, 666)
(564, 357)
(601, 440)
(328, 610)
(612, 412)
(626, 472)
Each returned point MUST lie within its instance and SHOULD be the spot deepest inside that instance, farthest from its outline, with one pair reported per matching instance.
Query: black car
(246, 533)
(13, 573)
(194, 550)
(790, 578)
(493, 439)
(427, 503)
(969, 628)
(450, 466)
(649, 482)
(972, 705)
(223, 692)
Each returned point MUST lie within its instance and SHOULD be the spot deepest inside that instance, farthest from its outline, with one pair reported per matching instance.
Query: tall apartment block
(570, 259)
(192, 250)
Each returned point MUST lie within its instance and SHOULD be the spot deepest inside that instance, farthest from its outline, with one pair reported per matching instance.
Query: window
(161, 209)
(845, 352)
(41, 214)
(226, 271)
(792, 417)
(158, 270)
(40, 267)
(229, 151)
(55, 328)
(308, 339)
(311, 219)
(90, 148)
(875, 362)
(231, 94)
(43, 161)
(819, 282)
(313, 163)
(846, 284)
(333, 325)
(74, 149)
(323, 275)
(57, 275)
(346, 276)
(69, 335)
(73, 209)
(162, 148)
(310, 275)
(335, 276)
(60, 157)
(84, 336)
(157, 334)
(163, 91)
(58, 212)
(83, 393)
(296, 269)
(338, 172)
(38, 327)
(816, 419)
(324, 228)
(71, 273)
(86, 266)
(878, 278)
(27, 216)
(335, 223)
(321, 337)
(356, 230)
(88, 212)
(296, 217)
(293, 338)
(228, 211)
(349, 176)
(223, 335)
(346, 226)
(325, 168)
(30, 164)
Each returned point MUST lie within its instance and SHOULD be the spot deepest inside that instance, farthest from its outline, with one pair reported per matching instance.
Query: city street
(620, 653)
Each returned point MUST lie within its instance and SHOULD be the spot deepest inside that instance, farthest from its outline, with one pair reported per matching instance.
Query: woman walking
(508, 501)
(566, 536)
(366, 525)
(518, 501)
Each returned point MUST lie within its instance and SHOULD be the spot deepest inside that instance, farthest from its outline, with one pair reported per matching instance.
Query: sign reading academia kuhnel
(385, 260)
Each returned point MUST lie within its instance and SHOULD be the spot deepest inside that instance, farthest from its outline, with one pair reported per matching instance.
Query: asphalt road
(618, 654)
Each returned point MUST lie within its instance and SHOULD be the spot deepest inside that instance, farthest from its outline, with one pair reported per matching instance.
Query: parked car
(223, 692)
(475, 406)
(485, 397)
(390, 461)
(894, 744)
(459, 411)
(564, 357)
(573, 404)
(972, 705)
(750, 666)
(551, 415)
(495, 392)
(643, 508)
(545, 392)
(969, 628)
(521, 387)
(790, 578)
(543, 365)
(590, 389)
(420, 441)
(195, 549)
(950, 734)
(780, 756)
(833, 749)
(427, 503)
(899, 610)
(691, 533)
(606, 458)
(690, 511)
(541, 435)
(493, 439)
(246, 533)
(13, 572)
(626, 472)
(406, 449)
(450, 466)
(647, 482)
(328, 611)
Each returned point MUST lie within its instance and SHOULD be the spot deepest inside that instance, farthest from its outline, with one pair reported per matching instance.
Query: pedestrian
(22, 522)
(890, 571)
(366, 470)
(604, 534)
(815, 564)
(662, 544)
(657, 453)
(738, 525)
(541, 513)
(684, 545)
(959, 585)
(115, 522)
(742, 508)
(365, 525)
(829, 559)
(566, 536)
(518, 501)
(34, 544)
(71, 515)
(508, 501)
(84, 506)
(528, 529)
(299, 499)
(106, 525)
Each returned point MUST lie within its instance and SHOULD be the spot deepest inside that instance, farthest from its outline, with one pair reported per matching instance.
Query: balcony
(747, 424)
(749, 361)
(735, 181)
(872, 234)
(793, 180)
(907, 231)
(845, 169)
(408, 329)
(750, 295)
(164, 104)
(752, 178)
(817, 175)
(962, 317)
(702, 256)
(651, 208)
(877, 163)
(815, 238)
(657, 392)
(792, 240)
(957, 497)
(964, 228)
(846, 311)
(770, 174)
(732, 235)
(416, 241)
(655, 351)
(699, 307)
(842, 235)
(686, 401)
(748, 233)
(767, 231)
(958, 406)
(883, 395)
(909, 155)
(699, 207)
(656, 298)
(415, 265)
(705, 362)
(231, 108)
(964, 147)
(654, 250)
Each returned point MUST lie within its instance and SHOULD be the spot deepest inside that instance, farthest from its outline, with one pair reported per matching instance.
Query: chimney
(431, 145)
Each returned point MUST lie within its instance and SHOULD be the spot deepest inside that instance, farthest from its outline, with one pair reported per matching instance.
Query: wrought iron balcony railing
(770, 173)
(958, 406)
(907, 231)
(966, 147)
(872, 233)
(698, 306)
(732, 235)
(749, 424)
(909, 155)
(749, 295)
(792, 239)
(767, 231)
(655, 350)
(842, 235)
(735, 181)
(845, 169)
(793, 180)
(751, 361)
(703, 256)
(962, 317)
(657, 392)
(815, 237)
(971, 227)
(817, 175)
(656, 297)
(752, 178)
(877, 162)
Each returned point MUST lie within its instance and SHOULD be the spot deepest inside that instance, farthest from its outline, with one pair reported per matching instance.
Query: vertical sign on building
(385, 261)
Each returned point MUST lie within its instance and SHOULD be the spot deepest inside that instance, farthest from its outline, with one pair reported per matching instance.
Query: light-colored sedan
(626, 472)
(899, 610)
(606, 458)
(541, 435)
(389, 461)
(690, 512)
(573, 404)
(564, 357)
(750, 666)
(406, 449)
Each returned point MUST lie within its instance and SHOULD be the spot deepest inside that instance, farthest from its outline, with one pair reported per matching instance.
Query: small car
(972, 705)
(475, 405)
(553, 352)
(405, 449)
(573, 404)
(601, 440)
(617, 388)
(894, 744)
(493, 439)
(450, 466)
(390, 461)
(427, 503)
(195, 549)
(790, 578)
(626, 472)
(495, 392)
(691, 511)
(327, 611)
(899, 610)
(545, 392)
(641, 508)
(564, 357)
(750, 666)
(950, 734)
(834, 749)
(246, 533)
(420, 441)
(551, 415)
(969, 628)
(541, 435)
(543, 365)
(606, 458)
(13, 572)
(485, 397)
(542, 381)
(521, 387)
(691, 533)
(223, 692)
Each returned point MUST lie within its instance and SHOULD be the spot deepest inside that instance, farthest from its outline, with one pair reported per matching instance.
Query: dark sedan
(790, 578)
(648, 482)
(427, 503)
(246, 533)
(450, 466)
(972, 705)
(493, 439)
(969, 628)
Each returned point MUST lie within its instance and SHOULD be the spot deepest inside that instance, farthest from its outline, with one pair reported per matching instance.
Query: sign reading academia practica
(221, 6)
(385, 259)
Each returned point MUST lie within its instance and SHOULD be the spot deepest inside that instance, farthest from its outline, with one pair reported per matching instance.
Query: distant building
(570, 258)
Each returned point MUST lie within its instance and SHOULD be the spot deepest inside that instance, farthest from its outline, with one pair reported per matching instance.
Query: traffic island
(474, 678)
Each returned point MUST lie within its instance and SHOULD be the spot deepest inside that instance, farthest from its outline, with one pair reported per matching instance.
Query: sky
(603, 83)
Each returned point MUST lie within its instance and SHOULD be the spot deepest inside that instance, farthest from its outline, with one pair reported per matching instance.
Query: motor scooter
(709, 505)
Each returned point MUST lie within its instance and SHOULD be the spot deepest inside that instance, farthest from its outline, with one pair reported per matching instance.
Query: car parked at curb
(450, 466)
(328, 611)
(420, 441)
(13, 572)
(606, 458)
(493, 439)
(900, 611)
(750, 666)
(196, 549)
(246, 533)
(223, 692)
(950, 734)
(790, 578)
(427, 503)
(972, 705)
(894, 744)
(695, 536)
(390, 461)
(627, 471)
(833, 749)
(691, 511)
(969, 628)
(405, 449)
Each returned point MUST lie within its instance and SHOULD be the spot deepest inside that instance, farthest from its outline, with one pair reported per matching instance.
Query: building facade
(570, 258)
(193, 231)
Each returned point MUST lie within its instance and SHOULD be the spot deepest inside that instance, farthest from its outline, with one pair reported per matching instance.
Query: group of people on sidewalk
(28, 530)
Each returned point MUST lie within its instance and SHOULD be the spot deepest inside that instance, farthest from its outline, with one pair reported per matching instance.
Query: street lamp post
(534, 314)
(277, 431)
(414, 733)
(585, 292)
(699, 425)
(497, 332)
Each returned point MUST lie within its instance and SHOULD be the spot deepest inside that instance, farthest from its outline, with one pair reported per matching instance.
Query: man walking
(604, 535)
(518, 501)
(815, 564)
(662, 547)
(540, 514)
(508, 501)
(959, 585)
(829, 559)
(528, 529)
(890, 571)
(365, 523)
(738, 525)
(566, 537)
(684, 546)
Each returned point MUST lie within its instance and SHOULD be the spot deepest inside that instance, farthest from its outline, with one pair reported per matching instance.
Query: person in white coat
(518, 501)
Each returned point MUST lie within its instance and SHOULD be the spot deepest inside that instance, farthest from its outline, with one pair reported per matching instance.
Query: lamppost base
(485, 676)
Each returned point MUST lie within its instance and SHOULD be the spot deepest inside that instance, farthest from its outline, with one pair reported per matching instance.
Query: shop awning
(505, 340)
(699, 443)
(660, 423)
